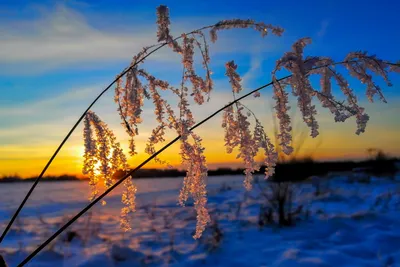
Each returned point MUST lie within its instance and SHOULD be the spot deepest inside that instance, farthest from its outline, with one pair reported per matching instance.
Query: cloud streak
(61, 36)
(64, 34)
(323, 28)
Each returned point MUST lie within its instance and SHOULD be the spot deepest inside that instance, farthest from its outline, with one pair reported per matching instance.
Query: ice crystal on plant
(198, 83)
(101, 147)
(128, 199)
(301, 87)
(247, 148)
(103, 155)
(234, 77)
(163, 23)
(163, 28)
(354, 108)
(241, 23)
(358, 64)
(194, 161)
(90, 157)
(203, 47)
(238, 134)
(325, 96)
(129, 97)
(282, 108)
(263, 142)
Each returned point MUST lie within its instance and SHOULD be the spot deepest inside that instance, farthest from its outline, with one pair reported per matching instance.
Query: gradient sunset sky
(56, 56)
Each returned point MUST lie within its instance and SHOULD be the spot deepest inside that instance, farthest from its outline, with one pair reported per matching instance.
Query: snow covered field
(337, 221)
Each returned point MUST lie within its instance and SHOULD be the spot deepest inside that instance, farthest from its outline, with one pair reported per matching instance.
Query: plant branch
(81, 118)
(91, 204)
(128, 174)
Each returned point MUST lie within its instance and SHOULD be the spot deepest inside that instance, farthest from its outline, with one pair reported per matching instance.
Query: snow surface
(351, 222)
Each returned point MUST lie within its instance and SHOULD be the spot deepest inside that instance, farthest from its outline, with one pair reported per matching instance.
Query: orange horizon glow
(336, 142)
(215, 154)
(76, 171)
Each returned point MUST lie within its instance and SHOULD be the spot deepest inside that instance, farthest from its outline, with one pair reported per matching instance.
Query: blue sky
(56, 55)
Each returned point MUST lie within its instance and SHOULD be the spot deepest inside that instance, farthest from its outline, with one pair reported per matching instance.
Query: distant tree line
(294, 170)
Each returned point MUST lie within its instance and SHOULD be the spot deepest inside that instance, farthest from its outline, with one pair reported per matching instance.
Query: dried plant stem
(95, 201)
(37, 180)
(91, 204)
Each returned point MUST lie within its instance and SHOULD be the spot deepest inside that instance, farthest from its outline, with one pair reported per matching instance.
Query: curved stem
(95, 201)
(91, 204)
(52, 158)
(79, 120)
(65, 140)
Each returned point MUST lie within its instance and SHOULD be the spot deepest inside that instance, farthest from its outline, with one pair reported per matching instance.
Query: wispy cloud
(323, 28)
(38, 107)
(254, 71)
(61, 36)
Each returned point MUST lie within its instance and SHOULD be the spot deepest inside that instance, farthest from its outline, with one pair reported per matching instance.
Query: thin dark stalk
(77, 123)
(81, 118)
(91, 204)
(63, 142)
(52, 158)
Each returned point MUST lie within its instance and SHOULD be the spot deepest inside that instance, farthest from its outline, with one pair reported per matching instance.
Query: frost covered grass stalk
(129, 173)
(138, 59)
(104, 156)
